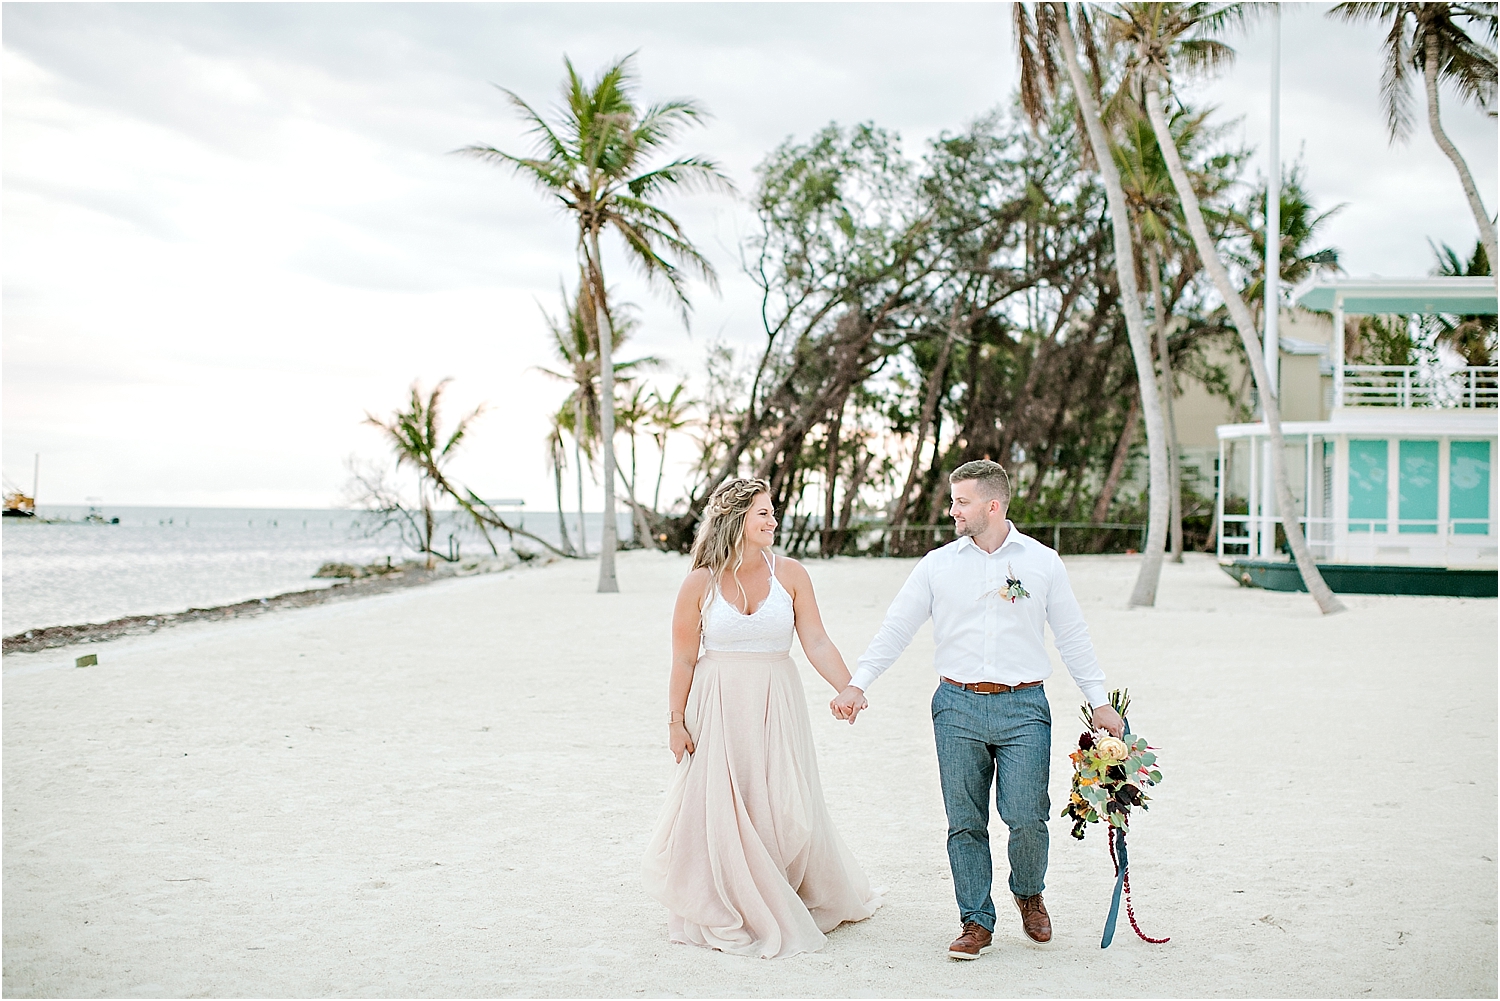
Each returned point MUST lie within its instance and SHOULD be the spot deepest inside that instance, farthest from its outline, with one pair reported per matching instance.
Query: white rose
(1112, 749)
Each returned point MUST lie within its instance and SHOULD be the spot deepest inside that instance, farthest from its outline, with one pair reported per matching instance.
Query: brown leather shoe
(975, 940)
(1034, 920)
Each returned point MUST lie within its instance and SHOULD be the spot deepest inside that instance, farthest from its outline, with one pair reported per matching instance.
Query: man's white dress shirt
(980, 634)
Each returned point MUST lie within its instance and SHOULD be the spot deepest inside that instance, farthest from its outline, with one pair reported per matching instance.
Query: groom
(990, 594)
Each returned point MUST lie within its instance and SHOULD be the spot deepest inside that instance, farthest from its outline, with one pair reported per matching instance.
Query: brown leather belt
(989, 687)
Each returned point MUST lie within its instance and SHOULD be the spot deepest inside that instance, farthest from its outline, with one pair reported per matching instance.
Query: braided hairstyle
(720, 543)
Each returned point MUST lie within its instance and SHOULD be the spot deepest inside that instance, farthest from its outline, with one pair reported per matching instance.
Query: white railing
(1432, 537)
(1408, 386)
(1317, 531)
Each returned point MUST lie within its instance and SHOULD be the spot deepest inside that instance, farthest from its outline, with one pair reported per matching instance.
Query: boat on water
(1393, 481)
(18, 505)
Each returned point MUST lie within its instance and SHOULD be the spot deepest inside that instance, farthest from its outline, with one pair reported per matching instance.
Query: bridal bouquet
(1110, 774)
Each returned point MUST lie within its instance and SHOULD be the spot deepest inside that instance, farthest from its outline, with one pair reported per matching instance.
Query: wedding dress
(745, 856)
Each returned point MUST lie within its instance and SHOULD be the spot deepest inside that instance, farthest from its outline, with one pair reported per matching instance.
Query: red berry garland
(1129, 910)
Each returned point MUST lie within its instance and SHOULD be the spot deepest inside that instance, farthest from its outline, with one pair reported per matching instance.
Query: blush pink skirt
(745, 856)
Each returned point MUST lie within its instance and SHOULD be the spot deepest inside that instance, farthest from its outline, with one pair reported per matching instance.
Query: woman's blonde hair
(720, 543)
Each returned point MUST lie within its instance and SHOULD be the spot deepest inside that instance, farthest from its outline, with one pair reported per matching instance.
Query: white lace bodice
(766, 630)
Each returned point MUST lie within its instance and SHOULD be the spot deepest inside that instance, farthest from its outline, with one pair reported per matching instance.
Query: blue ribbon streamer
(1122, 861)
(1114, 906)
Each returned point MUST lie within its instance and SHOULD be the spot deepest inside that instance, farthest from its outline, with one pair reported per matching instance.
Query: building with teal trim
(1394, 486)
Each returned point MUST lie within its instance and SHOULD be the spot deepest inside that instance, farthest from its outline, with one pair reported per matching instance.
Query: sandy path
(446, 791)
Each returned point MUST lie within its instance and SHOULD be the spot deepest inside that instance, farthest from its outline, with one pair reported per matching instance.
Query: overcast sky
(232, 229)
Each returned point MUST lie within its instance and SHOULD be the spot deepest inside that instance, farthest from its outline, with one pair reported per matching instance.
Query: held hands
(1105, 718)
(680, 740)
(848, 703)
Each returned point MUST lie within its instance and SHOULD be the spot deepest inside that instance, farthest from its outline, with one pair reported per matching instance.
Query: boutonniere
(1013, 588)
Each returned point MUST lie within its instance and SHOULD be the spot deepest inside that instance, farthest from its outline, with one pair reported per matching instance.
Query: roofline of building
(1365, 296)
(1417, 421)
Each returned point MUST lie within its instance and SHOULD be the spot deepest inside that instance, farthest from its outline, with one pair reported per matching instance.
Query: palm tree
(593, 158)
(1042, 35)
(1157, 36)
(557, 457)
(415, 435)
(1472, 337)
(631, 416)
(577, 349)
(1154, 209)
(669, 414)
(1430, 38)
(1300, 224)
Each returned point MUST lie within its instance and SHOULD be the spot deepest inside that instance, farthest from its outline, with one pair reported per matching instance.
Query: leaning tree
(1430, 38)
(1044, 38)
(1161, 39)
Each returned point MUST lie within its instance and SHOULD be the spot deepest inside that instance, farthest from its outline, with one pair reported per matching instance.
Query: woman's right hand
(681, 741)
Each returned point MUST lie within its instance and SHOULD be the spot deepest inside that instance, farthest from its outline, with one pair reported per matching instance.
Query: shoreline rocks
(354, 582)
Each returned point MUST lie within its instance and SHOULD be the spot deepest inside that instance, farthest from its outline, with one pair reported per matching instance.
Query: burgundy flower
(1085, 740)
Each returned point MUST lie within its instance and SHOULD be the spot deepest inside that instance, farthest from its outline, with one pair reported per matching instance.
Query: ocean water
(159, 560)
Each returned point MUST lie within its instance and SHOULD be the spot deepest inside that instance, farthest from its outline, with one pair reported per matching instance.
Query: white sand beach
(446, 792)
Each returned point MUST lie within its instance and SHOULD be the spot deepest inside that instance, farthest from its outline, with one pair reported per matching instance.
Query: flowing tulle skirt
(745, 856)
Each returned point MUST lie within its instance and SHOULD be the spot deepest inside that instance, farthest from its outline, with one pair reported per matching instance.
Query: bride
(745, 856)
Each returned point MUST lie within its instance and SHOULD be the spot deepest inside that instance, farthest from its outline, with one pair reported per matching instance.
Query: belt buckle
(990, 687)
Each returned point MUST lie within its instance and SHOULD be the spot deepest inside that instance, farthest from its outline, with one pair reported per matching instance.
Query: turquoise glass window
(1469, 486)
(1368, 476)
(1419, 487)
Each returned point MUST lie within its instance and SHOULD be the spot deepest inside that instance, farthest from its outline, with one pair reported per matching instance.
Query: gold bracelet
(676, 717)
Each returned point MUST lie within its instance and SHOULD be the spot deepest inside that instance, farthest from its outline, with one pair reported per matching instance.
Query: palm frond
(1203, 55)
(1038, 68)
(1467, 66)
(552, 148)
(689, 173)
(1395, 85)
(661, 123)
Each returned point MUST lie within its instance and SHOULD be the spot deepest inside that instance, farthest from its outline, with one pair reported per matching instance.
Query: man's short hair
(991, 477)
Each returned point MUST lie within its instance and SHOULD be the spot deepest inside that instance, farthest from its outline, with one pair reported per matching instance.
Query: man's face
(971, 510)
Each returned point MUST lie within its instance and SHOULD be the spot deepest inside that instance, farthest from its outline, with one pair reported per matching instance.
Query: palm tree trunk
(661, 470)
(578, 426)
(607, 582)
(1240, 314)
(557, 478)
(1174, 452)
(1434, 120)
(637, 509)
(429, 526)
(642, 530)
(1146, 582)
(562, 520)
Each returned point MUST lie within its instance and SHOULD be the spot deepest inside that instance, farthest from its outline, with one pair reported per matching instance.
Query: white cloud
(232, 229)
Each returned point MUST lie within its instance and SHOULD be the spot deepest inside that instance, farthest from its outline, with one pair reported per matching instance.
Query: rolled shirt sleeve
(1071, 634)
(911, 608)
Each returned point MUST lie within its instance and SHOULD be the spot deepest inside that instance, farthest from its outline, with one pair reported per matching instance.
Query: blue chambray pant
(1002, 741)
